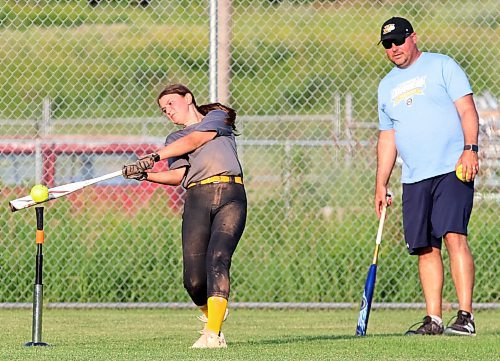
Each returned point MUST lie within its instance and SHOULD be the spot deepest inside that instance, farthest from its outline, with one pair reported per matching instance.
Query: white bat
(60, 191)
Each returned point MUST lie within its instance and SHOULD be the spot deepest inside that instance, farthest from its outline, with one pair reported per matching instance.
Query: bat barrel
(59, 191)
(366, 301)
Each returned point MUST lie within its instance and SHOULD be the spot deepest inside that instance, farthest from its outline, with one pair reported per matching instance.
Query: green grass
(251, 334)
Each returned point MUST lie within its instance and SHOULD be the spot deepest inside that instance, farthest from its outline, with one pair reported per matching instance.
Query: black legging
(212, 224)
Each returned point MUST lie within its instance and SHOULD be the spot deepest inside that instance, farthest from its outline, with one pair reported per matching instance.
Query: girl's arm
(172, 177)
(186, 144)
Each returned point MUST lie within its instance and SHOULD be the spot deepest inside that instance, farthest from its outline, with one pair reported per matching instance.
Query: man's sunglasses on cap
(387, 44)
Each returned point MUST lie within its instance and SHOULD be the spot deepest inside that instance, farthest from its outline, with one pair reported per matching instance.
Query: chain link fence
(78, 84)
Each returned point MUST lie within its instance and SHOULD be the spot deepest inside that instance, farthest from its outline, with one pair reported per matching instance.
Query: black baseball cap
(395, 28)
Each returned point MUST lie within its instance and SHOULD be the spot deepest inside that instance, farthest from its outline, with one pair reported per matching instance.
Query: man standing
(427, 115)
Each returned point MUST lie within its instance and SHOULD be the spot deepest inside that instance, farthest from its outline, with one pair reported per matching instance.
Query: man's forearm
(386, 157)
(468, 118)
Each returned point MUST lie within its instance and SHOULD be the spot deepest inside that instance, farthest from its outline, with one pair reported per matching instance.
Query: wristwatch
(472, 147)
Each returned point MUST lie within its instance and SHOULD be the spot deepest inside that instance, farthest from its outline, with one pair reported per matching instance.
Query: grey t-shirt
(216, 157)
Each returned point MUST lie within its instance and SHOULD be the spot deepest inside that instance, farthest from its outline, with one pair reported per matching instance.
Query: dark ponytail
(231, 113)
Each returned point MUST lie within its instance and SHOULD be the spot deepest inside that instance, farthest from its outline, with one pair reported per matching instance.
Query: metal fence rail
(239, 305)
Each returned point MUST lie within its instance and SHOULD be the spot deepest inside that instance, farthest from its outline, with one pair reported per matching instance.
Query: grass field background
(261, 335)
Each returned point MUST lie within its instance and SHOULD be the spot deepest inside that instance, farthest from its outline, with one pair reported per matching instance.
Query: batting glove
(147, 162)
(132, 171)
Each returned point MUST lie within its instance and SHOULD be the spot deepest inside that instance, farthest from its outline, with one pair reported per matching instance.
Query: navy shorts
(434, 207)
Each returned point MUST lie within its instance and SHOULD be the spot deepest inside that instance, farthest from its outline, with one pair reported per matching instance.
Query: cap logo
(388, 28)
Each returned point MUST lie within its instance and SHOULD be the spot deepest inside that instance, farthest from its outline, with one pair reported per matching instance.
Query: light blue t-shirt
(418, 103)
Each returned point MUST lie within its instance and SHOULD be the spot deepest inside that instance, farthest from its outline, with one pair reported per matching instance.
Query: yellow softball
(458, 172)
(39, 193)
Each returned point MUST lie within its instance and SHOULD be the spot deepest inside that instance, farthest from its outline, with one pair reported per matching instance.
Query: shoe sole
(206, 344)
(208, 347)
(221, 345)
(458, 333)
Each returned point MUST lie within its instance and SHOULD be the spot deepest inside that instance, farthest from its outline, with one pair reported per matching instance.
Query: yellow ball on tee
(458, 172)
(39, 193)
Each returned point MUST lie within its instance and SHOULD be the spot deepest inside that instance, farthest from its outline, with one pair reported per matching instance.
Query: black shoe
(463, 325)
(427, 327)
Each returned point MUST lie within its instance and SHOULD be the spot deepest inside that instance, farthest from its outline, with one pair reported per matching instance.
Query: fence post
(288, 175)
(348, 125)
(46, 118)
(224, 50)
(337, 121)
(42, 130)
(220, 50)
(213, 50)
(336, 106)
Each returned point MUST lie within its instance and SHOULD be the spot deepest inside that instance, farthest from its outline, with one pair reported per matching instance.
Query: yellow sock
(204, 309)
(216, 310)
